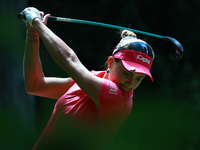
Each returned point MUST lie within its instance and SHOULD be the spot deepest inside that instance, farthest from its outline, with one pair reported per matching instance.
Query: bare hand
(44, 17)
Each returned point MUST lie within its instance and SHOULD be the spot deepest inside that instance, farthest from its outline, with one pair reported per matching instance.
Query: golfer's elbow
(31, 86)
(29, 89)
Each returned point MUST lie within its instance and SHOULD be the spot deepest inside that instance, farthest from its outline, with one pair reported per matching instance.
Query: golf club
(175, 53)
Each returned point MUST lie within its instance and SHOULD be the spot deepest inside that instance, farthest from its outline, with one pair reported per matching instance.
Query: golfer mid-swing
(91, 105)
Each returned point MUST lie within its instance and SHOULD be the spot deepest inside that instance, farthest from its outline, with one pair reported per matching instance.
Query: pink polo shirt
(75, 117)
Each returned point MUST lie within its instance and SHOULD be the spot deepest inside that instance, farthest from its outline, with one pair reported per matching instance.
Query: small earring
(107, 71)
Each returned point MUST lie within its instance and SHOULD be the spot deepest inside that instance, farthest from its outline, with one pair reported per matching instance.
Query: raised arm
(35, 81)
(65, 57)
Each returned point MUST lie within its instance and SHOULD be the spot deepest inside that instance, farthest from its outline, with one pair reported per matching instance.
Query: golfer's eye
(139, 79)
(126, 73)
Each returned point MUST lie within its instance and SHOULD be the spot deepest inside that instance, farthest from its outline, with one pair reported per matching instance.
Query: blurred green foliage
(159, 124)
(166, 113)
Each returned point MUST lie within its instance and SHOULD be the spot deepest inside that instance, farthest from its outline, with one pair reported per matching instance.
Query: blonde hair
(128, 37)
(126, 33)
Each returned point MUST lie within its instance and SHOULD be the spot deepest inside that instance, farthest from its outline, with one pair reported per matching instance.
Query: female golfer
(91, 105)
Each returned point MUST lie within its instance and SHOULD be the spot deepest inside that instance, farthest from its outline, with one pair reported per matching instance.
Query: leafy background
(166, 113)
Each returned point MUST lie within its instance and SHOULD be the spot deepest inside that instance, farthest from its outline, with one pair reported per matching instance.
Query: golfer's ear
(110, 61)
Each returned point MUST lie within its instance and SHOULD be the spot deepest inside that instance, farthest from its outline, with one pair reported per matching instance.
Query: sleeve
(113, 101)
(73, 82)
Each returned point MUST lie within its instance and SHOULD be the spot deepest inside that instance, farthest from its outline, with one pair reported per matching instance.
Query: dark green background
(166, 113)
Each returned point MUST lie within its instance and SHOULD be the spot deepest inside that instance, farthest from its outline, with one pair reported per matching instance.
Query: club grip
(52, 18)
(21, 16)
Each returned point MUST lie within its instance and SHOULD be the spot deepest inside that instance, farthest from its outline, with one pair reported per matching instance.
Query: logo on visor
(143, 59)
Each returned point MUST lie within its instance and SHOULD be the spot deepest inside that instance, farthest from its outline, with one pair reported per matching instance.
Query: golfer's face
(126, 80)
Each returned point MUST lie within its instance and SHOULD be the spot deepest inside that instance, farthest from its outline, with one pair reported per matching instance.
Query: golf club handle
(22, 16)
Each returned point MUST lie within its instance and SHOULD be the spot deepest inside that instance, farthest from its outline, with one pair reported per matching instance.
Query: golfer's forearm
(62, 54)
(32, 64)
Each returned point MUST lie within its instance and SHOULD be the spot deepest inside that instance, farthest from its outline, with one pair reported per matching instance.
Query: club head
(174, 49)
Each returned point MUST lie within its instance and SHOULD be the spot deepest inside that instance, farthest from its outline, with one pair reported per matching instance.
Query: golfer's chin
(124, 88)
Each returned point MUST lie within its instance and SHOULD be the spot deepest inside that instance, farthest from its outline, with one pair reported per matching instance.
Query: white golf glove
(31, 13)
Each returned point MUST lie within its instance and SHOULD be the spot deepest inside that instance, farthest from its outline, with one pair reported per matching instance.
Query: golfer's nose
(129, 82)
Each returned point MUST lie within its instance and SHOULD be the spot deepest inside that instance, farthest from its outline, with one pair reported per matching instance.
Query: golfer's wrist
(35, 22)
(32, 35)
(31, 31)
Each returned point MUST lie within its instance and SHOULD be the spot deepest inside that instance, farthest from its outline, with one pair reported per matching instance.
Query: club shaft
(176, 54)
(52, 18)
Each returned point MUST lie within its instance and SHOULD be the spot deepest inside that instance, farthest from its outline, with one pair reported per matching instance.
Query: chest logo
(113, 89)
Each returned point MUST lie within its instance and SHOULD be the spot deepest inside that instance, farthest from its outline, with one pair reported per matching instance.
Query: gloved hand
(31, 13)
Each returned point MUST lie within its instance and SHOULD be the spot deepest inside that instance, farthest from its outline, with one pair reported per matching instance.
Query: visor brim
(138, 68)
